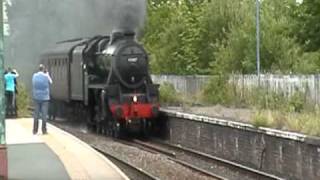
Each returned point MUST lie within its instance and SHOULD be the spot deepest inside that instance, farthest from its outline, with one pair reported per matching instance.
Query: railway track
(167, 169)
(203, 163)
(171, 155)
(131, 171)
(198, 162)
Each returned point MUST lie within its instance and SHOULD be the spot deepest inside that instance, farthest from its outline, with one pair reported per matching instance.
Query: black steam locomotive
(105, 80)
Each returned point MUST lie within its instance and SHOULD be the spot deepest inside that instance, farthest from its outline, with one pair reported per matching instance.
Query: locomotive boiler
(104, 80)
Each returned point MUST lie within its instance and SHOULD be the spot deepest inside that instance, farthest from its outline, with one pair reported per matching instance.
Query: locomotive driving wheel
(116, 129)
(88, 118)
(98, 120)
(146, 126)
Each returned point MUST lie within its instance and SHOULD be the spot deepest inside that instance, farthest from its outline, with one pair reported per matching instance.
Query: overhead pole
(3, 150)
(2, 98)
(258, 39)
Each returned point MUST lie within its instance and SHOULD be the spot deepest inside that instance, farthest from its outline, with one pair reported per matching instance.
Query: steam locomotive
(104, 80)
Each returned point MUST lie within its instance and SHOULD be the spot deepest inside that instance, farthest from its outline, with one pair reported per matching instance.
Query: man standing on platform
(41, 95)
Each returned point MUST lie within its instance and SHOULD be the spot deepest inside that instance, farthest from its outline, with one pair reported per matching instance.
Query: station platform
(57, 155)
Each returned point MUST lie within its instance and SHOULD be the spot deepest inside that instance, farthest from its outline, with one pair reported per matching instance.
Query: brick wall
(285, 154)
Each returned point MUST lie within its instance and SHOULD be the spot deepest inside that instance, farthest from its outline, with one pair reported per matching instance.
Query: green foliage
(219, 36)
(308, 26)
(220, 91)
(308, 63)
(23, 101)
(168, 95)
(297, 102)
(278, 49)
(217, 91)
(170, 36)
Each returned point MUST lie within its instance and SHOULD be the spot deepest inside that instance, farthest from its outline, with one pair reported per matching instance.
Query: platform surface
(34, 161)
(57, 155)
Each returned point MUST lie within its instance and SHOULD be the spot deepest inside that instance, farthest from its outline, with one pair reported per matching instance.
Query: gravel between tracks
(156, 164)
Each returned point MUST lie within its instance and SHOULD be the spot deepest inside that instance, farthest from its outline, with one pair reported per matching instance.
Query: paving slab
(34, 161)
(41, 156)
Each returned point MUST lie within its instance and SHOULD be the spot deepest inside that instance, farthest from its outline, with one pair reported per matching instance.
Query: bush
(168, 95)
(23, 101)
(218, 91)
(296, 102)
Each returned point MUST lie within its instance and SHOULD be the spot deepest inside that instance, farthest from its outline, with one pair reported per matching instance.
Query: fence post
(316, 89)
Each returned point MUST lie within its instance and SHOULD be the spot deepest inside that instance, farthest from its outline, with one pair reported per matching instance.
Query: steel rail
(257, 174)
(171, 155)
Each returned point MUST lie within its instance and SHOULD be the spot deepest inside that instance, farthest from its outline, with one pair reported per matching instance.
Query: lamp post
(258, 38)
(3, 150)
(2, 104)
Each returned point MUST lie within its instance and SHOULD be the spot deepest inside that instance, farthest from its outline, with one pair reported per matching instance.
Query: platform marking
(17, 134)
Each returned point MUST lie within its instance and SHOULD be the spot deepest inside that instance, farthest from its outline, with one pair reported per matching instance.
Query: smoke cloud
(37, 24)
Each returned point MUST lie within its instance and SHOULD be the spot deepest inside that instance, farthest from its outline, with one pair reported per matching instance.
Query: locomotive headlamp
(135, 99)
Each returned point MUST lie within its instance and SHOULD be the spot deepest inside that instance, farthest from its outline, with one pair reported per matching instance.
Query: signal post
(3, 148)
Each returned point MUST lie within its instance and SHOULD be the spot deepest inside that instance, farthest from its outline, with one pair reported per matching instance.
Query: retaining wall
(285, 154)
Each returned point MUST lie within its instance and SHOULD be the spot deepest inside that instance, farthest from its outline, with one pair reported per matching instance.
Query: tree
(308, 27)
(170, 34)
(279, 52)
(219, 36)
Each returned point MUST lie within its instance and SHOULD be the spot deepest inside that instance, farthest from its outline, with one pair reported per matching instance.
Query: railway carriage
(105, 80)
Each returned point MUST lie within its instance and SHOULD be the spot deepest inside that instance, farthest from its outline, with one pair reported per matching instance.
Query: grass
(302, 122)
(261, 120)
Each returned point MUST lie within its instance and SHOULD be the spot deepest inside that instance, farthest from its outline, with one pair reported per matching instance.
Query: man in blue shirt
(10, 85)
(41, 95)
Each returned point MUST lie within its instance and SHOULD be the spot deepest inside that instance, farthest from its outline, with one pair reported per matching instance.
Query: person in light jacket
(41, 95)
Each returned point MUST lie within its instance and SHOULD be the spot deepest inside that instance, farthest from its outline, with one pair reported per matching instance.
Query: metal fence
(285, 84)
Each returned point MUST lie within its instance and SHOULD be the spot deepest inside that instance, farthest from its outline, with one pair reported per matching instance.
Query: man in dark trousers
(40, 90)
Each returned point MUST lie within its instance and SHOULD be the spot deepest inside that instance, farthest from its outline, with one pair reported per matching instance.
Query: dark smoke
(37, 24)
(128, 19)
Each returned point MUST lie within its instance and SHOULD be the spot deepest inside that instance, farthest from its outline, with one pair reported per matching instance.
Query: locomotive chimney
(121, 34)
(129, 34)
